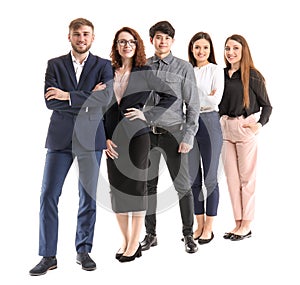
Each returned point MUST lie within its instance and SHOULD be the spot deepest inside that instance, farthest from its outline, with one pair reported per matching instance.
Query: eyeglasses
(123, 43)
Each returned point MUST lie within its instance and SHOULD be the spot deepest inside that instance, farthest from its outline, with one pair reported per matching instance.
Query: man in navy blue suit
(74, 91)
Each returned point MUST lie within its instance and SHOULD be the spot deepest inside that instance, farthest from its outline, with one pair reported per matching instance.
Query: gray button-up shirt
(179, 74)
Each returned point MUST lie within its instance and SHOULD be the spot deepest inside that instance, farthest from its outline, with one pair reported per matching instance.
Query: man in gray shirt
(172, 134)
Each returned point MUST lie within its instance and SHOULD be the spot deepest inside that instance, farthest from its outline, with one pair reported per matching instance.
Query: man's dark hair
(164, 27)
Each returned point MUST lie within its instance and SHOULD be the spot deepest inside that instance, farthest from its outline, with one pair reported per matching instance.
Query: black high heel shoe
(138, 253)
(118, 255)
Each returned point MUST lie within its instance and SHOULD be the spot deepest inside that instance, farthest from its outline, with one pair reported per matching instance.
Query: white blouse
(208, 78)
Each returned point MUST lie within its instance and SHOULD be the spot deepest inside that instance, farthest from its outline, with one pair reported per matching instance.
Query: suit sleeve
(51, 80)
(55, 77)
(95, 98)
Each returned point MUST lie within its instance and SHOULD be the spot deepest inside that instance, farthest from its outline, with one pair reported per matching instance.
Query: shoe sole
(193, 251)
(43, 273)
(241, 238)
(147, 248)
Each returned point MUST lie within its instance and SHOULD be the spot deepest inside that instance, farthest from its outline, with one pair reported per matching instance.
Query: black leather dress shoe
(204, 241)
(190, 245)
(240, 237)
(85, 261)
(228, 235)
(46, 263)
(148, 241)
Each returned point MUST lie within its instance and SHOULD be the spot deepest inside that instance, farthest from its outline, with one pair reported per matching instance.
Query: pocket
(246, 131)
(174, 81)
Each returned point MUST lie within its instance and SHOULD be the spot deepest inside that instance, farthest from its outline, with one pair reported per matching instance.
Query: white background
(34, 31)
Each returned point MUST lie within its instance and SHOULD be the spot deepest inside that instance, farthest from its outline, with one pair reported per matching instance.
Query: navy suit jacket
(82, 115)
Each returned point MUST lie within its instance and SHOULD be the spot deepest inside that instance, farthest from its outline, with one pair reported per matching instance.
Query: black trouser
(167, 144)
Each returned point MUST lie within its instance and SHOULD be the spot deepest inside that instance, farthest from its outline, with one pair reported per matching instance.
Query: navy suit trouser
(57, 165)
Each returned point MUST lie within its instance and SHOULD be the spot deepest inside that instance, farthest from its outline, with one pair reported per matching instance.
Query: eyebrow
(84, 32)
(233, 46)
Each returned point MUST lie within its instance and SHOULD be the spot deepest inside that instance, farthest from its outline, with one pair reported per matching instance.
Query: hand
(213, 92)
(133, 113)
(184, 148)
(110, 149)
(99, 86)
(55, 93)
(254, 127)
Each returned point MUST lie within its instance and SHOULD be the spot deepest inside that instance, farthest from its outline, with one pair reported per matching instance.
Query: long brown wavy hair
(139, 58)
(246, 65)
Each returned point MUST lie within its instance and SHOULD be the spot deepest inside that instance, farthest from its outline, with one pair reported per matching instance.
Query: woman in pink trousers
(245, 107)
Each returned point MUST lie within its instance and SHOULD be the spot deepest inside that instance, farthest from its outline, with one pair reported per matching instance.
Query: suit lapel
(86, 69)
(70, 68)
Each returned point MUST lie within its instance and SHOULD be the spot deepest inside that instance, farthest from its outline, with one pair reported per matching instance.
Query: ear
(151, 40)
(69, 37)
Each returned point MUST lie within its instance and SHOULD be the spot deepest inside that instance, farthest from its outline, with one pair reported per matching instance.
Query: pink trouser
(239, 156)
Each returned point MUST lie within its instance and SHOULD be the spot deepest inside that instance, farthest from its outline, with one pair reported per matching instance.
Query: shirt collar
(166, 60)
(75, 61)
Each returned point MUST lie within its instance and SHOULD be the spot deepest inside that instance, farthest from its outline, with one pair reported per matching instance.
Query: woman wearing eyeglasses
(127, 131)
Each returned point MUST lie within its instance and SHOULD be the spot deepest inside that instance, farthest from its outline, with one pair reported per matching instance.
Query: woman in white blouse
(205, 156)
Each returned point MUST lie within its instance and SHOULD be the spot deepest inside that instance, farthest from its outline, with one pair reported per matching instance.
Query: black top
(232, 103)
(141, 82)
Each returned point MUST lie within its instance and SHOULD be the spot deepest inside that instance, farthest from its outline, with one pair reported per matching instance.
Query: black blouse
(232, 103)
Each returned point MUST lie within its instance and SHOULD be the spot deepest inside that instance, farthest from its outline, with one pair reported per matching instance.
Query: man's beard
(81, 51)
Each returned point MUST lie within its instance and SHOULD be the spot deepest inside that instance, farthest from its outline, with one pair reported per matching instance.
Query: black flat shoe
(228, 235)
(138, 253)
(240, 237)
(204, 241)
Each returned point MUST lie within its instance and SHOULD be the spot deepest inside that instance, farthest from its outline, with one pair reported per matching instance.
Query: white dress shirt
(78, 67)
(208, 78)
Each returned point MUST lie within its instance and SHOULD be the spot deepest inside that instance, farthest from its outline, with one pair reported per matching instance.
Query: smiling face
(126, 45)
(162, 44)
(233, 52)
(201, 51)
(81, 39)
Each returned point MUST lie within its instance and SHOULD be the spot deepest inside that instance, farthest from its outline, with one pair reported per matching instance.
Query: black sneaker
(190, 245)
(85, 261)
(46, 263)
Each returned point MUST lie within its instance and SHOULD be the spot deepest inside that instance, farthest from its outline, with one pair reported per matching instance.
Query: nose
(81, 37)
